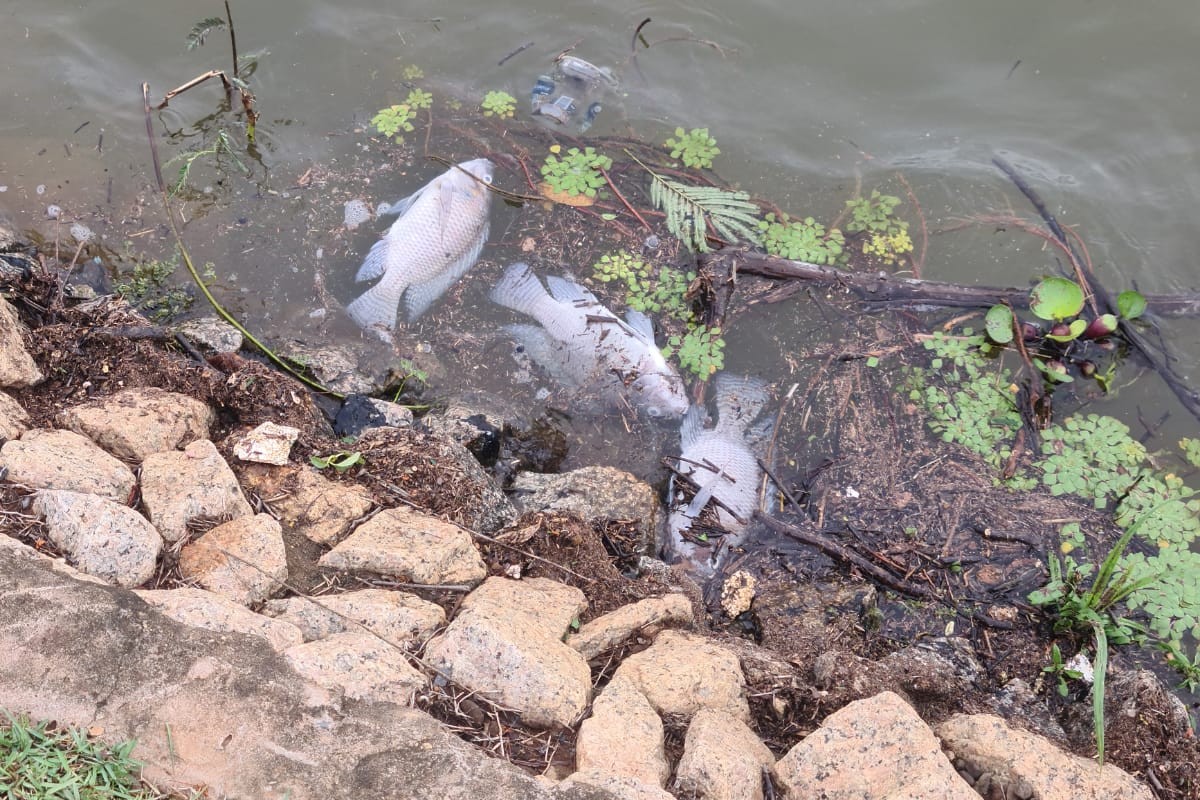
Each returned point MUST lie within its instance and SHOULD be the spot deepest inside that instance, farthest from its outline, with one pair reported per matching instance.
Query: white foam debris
(357, 212)
(41, 188)
(81, 232)
(53, 211)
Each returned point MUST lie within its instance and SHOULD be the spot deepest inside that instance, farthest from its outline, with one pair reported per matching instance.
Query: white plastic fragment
(269, 443)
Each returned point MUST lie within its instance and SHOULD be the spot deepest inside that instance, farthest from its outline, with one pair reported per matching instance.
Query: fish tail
(519, 289)
(740, 398)
(375, 310)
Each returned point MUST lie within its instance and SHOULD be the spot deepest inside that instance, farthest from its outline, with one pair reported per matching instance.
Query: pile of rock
(515, 643)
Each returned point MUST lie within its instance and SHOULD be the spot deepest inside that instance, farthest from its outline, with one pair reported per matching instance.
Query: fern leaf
(688, 208)
(201, 30)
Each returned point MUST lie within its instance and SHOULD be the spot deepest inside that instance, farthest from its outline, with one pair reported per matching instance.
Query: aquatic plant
(696, 148)
(577, 172)
(1091, 456)
(648, 290)
(1191, 450)
(148, 289)
(418, 98)
(392, 120)
(700, 351)
(885, 236)
(499, 104)
(801, 240)
(200, 31)
(412, 73)
(222, 145)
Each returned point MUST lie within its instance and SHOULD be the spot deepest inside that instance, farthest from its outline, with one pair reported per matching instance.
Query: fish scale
(435, 240)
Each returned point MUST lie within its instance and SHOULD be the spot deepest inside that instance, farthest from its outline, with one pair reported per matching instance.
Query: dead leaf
(576, 200)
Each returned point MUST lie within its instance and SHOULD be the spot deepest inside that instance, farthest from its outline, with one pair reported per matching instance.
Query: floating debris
(53, 211)
(357, 212)
(82, 233)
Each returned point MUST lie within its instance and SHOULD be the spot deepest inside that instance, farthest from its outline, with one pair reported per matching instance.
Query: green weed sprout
(577, 172)
(340, 461)
(648, 291)
(394, 119)
(701, 350)
(499, 104)
(38, 760)
(222, 145)
(412, 73)
(801, 240)
(418, 98)
(696, 148)
(885, 235)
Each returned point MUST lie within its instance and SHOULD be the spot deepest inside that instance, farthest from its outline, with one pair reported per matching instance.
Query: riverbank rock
(134, 423)
(506, 643)
(399, 617)
(220, 710)
(592, 493)
(44, 458)
(212, 333)
(607, 631)
(100, 537)
(872, 748)
(412, 547)
(722, 759)
(178, 487)
(269, 443)
(360, 413)
(359, 664)
(210, 611)
(682, 673)
(1022, 764)
(243, 560)
(623, 736)
(306, 502)
(17, 368)
(14, 420)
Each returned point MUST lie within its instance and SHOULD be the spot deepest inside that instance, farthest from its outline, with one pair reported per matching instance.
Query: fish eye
(654, 411)
(487, 179)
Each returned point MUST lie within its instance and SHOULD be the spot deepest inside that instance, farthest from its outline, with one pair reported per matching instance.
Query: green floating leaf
(999, 324)
(1077, 327)
(1056, 299)
(1131, 304)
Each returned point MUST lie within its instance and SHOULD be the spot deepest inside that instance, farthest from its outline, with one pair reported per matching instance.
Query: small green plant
(44, 760)
(696, 148)
(885, 236)
(1191, 450)
(340, 461)
(1060, 671)
(392, 120)
(801, 240)
(1091, 456)
(200, 31)
(701, 350)
(412, 73)
(499, 104)
(647, 290)
(148, 289)
(222, 146)
(418, 98)
(407, 371)
(578, 172)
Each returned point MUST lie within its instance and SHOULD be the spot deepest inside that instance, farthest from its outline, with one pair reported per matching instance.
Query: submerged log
(882, 288)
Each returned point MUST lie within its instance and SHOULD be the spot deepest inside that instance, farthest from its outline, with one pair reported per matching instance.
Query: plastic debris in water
(541, 91)
(81, 233)
(53, 212)
(357, 212)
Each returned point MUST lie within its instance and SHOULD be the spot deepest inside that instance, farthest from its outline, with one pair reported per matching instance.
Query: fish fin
(703, 495)
(375, 264)
(519, 289)
(740, 399)
(640, 324)
(566, 290)
(400, 206)
(692, 426)
(374, 311)
(422, 295)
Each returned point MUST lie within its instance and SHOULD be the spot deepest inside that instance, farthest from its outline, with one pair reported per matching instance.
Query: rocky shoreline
(170, 576)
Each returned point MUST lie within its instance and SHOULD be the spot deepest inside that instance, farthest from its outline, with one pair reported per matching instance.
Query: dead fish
(438, 236)
(722, 464)
(585, 346)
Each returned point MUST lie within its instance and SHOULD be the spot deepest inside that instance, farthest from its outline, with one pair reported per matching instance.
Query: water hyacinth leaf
(999, 324)
(1131, 304)
(1076, 327)
(1056, 371)
(1056, 299)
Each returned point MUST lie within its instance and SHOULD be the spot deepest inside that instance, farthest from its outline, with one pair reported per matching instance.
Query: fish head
(660, 393)
(481, 169)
